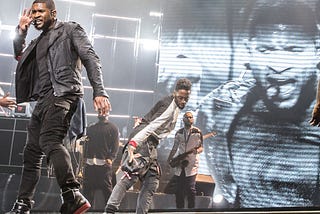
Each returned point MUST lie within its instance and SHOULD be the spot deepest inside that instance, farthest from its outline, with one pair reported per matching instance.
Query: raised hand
(315, 120)
(25, 20)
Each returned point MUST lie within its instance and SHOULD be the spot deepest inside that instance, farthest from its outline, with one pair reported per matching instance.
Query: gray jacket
(69, 48)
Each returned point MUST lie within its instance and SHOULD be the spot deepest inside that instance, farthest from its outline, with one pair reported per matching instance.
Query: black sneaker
(74, 202)
(21, 207)
(110, 209)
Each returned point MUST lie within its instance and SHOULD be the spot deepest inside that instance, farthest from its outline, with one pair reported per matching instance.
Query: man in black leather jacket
(49, 71)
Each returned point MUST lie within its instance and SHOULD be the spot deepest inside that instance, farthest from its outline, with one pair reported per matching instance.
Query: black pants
(47, 128)
(97, 178)
(186, 187)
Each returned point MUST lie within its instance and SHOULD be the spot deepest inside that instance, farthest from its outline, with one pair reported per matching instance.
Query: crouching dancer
(139, 160)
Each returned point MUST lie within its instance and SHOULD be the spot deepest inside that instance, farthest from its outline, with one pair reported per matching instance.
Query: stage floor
(48, 201)
(206, 212)
(214, 211)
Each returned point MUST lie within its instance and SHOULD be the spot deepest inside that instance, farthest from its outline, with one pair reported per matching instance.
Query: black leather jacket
(69, 48)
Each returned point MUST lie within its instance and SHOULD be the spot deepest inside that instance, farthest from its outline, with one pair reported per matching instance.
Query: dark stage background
(271, 160)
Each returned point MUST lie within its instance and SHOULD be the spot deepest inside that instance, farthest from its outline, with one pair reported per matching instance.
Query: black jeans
(47, 128)
(95, 178)
(186, 186)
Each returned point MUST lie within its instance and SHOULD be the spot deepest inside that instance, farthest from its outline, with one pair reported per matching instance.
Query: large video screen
(254, 68)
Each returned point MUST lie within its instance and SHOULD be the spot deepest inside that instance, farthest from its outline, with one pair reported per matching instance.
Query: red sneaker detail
(83, 208)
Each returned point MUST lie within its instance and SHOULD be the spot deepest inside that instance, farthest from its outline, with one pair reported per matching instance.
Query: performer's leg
(55, 125)
(149, 186)
(119, 192)
(32, 159)
(106, 182)
(191, 190)
(89, 178)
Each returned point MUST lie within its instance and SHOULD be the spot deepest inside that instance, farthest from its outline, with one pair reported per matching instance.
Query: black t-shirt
(44, 85)
(103, 140)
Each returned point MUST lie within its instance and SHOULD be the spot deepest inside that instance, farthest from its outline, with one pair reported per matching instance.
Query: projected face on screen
(265, 153)
(283, 58)
(266, 150)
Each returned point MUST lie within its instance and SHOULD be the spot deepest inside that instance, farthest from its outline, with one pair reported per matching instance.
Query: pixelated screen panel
(253, 65)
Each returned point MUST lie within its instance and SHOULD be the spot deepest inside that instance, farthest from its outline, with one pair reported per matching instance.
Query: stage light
(124, 39)
(5, 83)
(111, 115)
(155, 14)
(150, 44)
(86, 3)
(10, 28)
(218, 198)
(124, 90)
(116, 17)
(6, 55)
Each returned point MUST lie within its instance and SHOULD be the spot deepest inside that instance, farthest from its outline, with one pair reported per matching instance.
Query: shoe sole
(83, 208)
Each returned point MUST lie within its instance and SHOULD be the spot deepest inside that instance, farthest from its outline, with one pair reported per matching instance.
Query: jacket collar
(56, 32)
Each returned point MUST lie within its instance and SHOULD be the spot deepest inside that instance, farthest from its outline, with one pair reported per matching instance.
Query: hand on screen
(315, 120)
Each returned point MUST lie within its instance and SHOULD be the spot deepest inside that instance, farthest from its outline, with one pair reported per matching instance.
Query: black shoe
(109, 209)
(74, 202)
(21, 207)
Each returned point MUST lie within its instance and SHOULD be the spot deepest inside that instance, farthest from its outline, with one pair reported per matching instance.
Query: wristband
(133, 143)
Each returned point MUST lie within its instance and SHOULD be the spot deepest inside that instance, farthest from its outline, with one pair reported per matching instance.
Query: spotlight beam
(111, 115)
(6, 55)
(86, 3)
(116, 17)
(125, 90)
